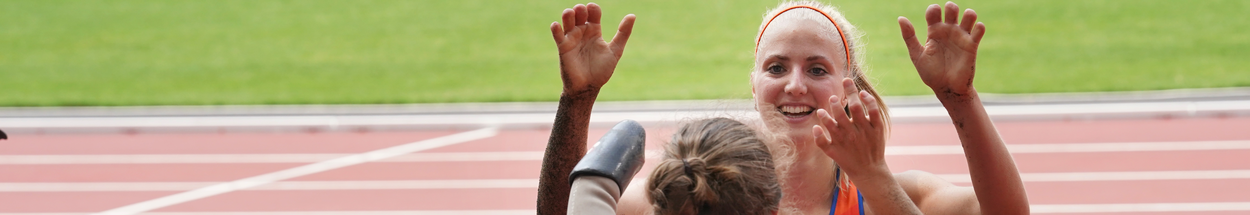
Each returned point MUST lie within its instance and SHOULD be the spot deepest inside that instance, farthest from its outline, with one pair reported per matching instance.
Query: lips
(795, 111)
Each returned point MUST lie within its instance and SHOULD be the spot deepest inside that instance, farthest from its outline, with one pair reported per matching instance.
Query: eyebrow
(817, 57)
(809, 58)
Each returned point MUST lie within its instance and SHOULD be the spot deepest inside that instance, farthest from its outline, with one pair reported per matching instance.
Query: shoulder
(634, 199)
(920, 182)
(934, 195)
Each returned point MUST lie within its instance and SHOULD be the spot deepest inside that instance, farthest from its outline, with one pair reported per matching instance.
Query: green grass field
(74, 53)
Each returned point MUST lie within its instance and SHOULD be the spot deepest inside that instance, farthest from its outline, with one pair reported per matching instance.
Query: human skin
(586, 64)
(800, 76)
(947, 64)
(796, 80)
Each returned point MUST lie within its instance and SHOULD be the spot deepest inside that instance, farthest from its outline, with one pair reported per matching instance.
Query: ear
(751, 78)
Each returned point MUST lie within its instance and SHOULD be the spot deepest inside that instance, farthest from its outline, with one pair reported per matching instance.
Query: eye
(818, 71)
(775, 69)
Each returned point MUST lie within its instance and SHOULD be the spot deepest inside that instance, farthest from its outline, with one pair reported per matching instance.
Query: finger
(838, 114)
(595, 13)
(622, 34)
(909, 37)
(951, 10)
(858, 117)
(978, 31)
(839, 111)
(822, 136)
(826, 124)
(852, 100)
(874, 110)
(933, 14)
(557, 33)
(580, 14)
(824, 119)
(848, 86)
(567, 18)
(970, 17)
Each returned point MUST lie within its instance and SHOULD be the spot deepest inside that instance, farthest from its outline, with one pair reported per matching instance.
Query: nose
(795, 84)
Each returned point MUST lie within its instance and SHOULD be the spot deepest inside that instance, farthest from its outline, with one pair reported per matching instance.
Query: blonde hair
(715, 166)
(854, 45)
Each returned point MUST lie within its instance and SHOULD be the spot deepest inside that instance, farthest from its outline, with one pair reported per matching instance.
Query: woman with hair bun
(714, 166)
(810, 88)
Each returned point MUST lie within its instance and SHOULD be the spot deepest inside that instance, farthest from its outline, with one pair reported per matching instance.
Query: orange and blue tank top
(846, 198)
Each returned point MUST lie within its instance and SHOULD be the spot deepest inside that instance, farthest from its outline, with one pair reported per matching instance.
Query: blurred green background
(126, 52)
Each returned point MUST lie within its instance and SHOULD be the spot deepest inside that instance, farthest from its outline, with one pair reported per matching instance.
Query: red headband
(835, 25)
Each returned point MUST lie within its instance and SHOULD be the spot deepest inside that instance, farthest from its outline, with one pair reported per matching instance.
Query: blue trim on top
(836, 189)
(861, 202)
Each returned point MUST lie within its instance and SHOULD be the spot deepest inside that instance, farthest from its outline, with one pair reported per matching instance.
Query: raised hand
(947, 61)
(856, 143)
(586, 61)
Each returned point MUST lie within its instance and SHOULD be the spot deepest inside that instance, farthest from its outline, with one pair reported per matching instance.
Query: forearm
(882, 193)
(565, 148)
(995, 179)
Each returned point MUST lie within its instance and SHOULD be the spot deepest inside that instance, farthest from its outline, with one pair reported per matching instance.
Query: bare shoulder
(920, 182)
(634, 200)
(934, 195)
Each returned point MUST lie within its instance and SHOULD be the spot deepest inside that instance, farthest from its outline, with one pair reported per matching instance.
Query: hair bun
(701, 178)
(710, 159)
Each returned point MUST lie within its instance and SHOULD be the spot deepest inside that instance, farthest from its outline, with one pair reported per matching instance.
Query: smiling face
(799, 65)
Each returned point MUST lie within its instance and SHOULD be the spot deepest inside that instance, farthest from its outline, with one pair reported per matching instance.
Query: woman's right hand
(586, 61)
(855, 140)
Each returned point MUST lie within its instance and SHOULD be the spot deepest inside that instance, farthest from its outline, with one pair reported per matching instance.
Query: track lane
(210, 143)
(906, 134)
(64, 202)
(356, 200)
(134, 172)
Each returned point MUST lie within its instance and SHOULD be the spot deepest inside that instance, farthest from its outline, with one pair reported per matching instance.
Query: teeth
(795, 109)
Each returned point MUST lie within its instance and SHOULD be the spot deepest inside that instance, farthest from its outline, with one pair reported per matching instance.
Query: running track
(1197, 165)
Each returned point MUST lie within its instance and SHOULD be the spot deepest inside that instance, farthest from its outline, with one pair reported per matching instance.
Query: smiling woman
(826, 125)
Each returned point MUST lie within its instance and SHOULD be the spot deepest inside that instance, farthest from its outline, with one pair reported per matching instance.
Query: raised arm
(947, 63)
(586, 64)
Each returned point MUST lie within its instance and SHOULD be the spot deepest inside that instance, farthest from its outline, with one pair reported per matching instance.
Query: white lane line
(468, 156)
(447, 212)
(302, 170)
(1079, 147)
(537, 155)
(1117, 176)
(544, 117)
(280, 185)
(1140, 207)
(257, 158)
(166, 158)
(102, 186)
(392, 185)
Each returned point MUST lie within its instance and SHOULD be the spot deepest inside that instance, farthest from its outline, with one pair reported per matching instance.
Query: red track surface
(532, 140)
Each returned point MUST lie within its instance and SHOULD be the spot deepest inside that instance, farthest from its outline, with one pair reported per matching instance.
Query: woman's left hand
(947, 61)
(856, 143)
